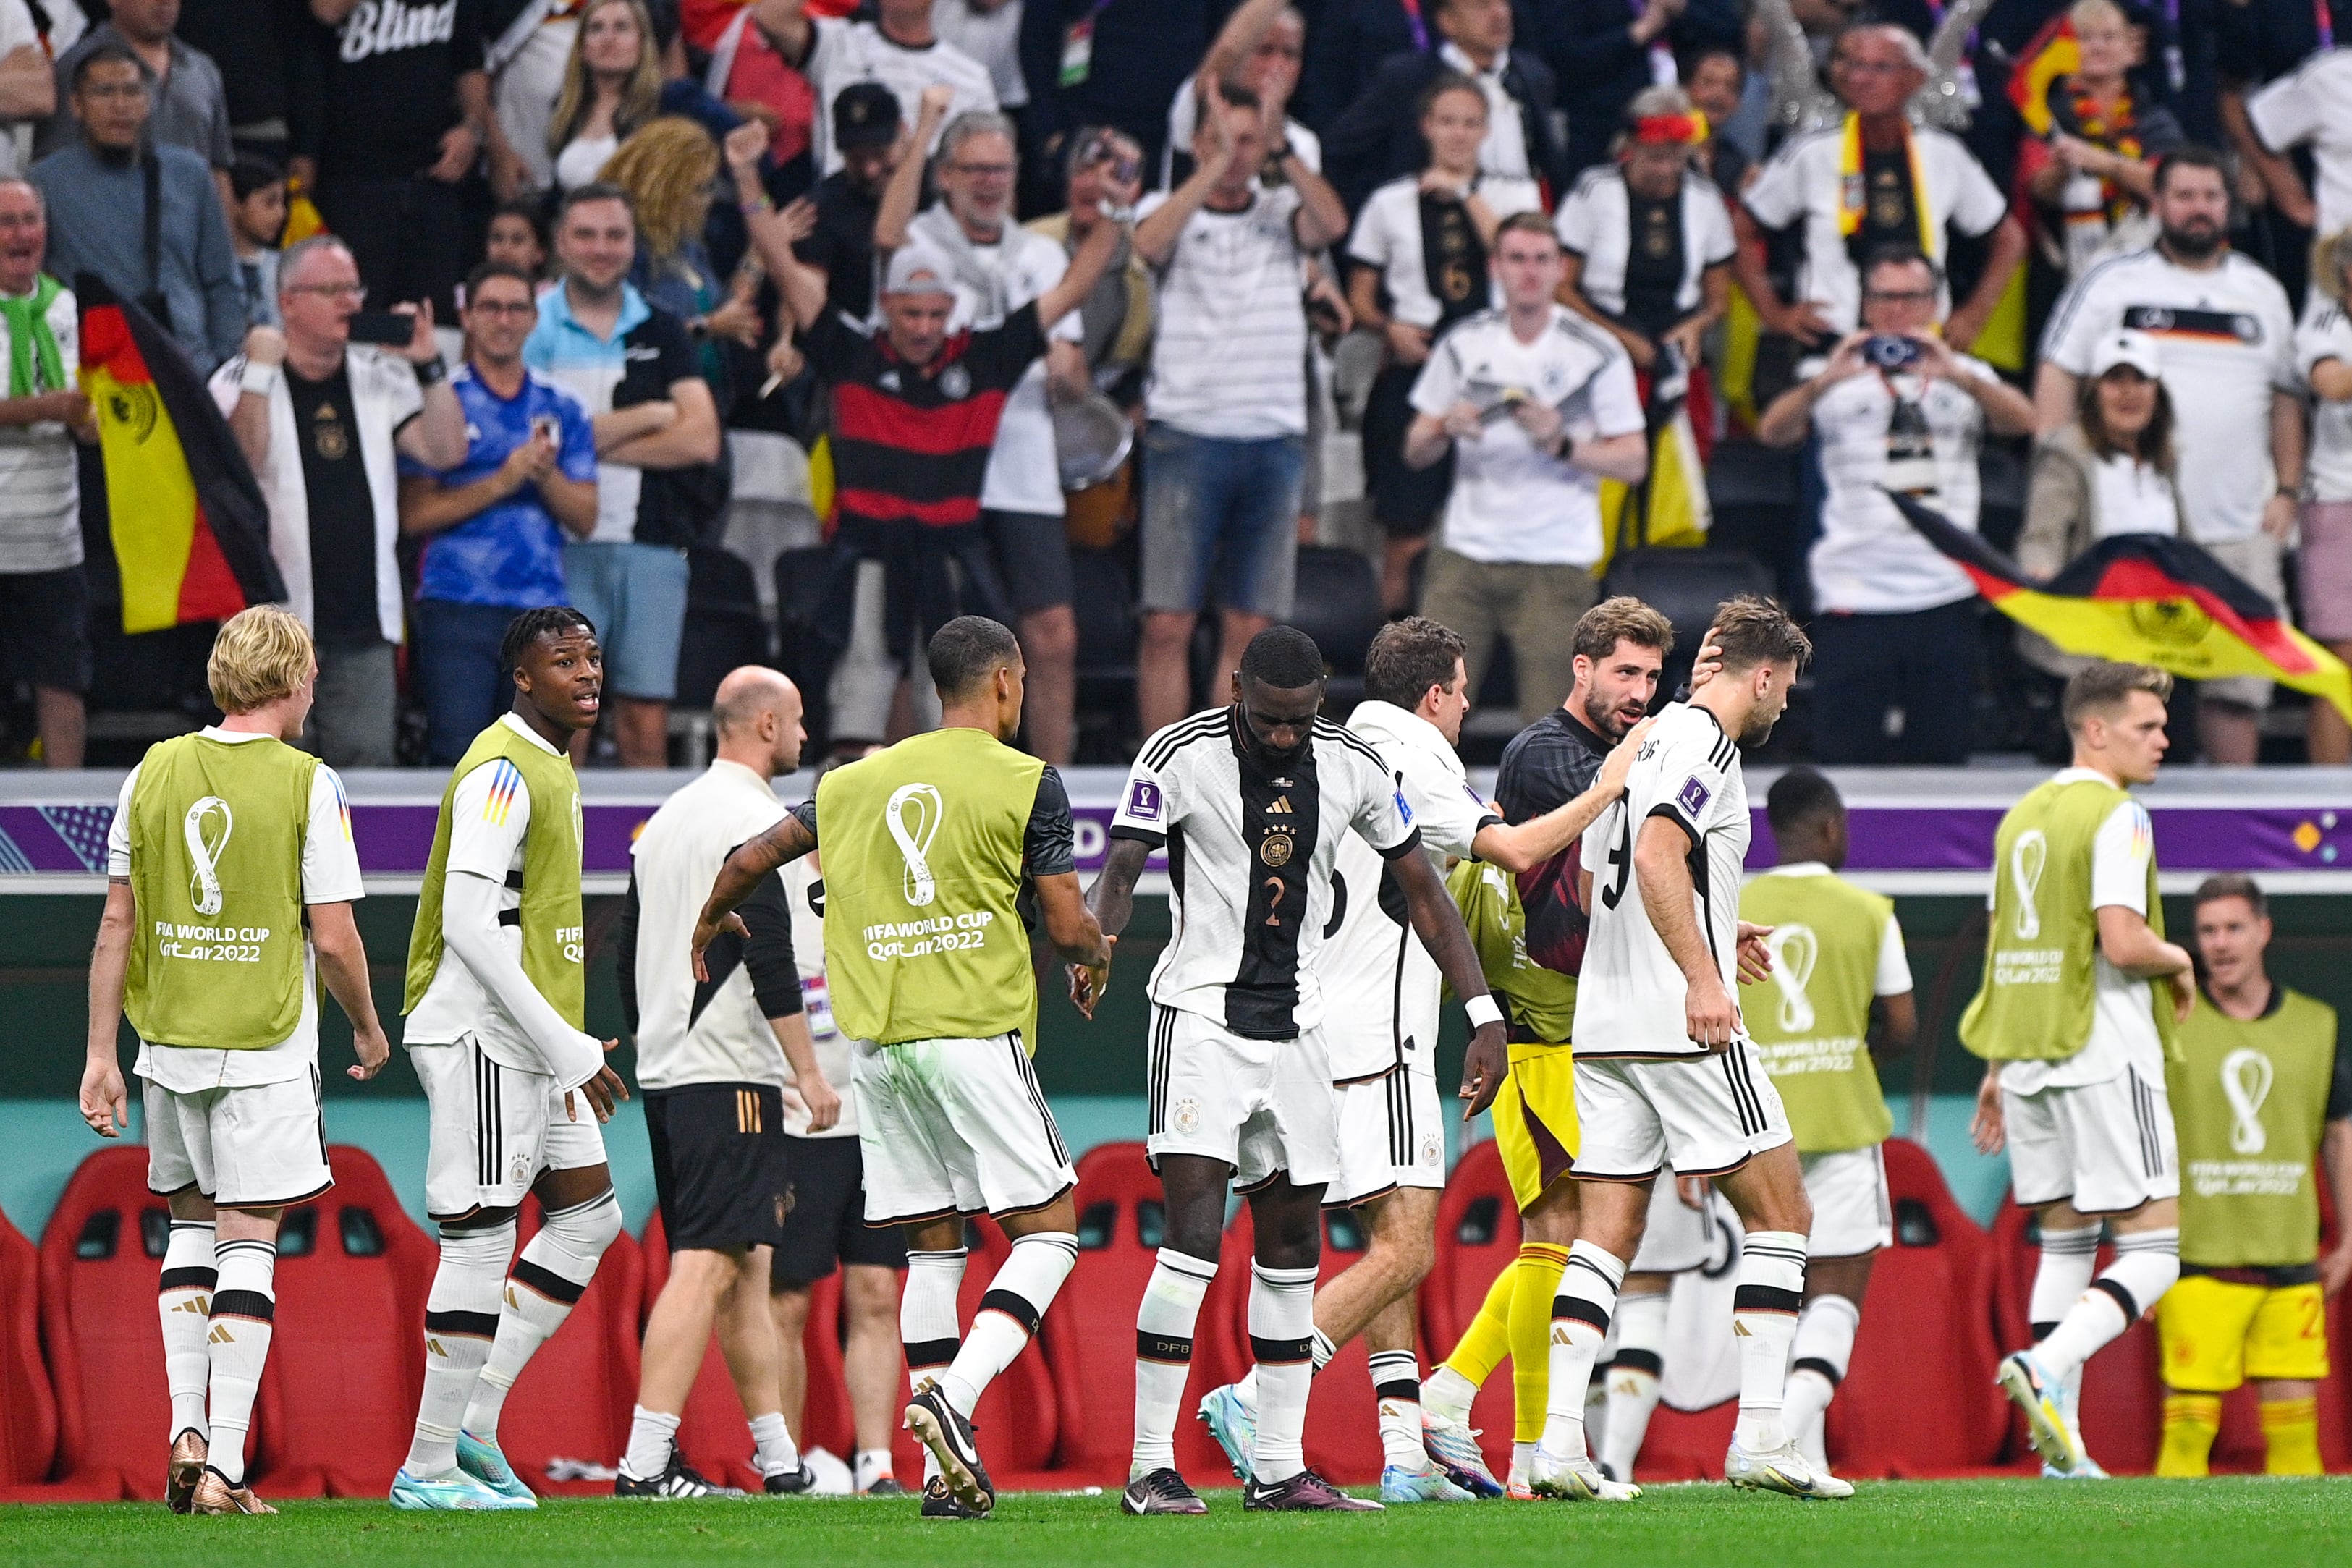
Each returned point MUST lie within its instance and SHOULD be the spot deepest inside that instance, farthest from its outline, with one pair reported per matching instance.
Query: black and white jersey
(1249, 849)
(1629, 1001)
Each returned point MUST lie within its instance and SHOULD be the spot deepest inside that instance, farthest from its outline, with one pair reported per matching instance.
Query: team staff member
(1837, 958)
(2080, 993)
(929, 845)
(712, 1062)
(1529, 932)
(513, 1087)
(231, 1104)
(825, 1219)
(2261, 1088)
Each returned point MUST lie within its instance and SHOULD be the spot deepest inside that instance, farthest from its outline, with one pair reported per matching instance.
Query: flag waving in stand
(187, 521)
(2149, 598)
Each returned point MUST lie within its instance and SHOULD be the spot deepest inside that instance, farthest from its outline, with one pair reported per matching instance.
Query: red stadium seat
(573, 1401)
(2123, 1396)
(1088, 1337)
(1919, 1399)
(345, 1365)
(28, 1407)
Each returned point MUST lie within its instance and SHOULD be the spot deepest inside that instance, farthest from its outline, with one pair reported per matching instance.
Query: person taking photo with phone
(1894, 408)
(323, 416)
(495, 525)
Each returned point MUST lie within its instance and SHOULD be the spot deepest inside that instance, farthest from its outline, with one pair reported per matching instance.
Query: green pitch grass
(2218, 1524)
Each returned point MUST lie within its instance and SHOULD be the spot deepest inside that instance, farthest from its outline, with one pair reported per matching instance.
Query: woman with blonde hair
(612, 85)
(668, 166)
(2323, 353)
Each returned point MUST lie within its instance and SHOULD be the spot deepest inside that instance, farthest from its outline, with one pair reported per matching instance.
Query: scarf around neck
(30, 339)
(1854, 201)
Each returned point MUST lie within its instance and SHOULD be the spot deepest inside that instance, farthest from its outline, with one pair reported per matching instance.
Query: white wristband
(1482, 1011)
(261, 379)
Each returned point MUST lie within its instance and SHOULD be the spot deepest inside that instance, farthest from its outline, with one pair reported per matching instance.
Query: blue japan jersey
(511, 553)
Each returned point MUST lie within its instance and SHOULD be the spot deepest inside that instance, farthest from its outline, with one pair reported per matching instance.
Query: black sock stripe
(187, 1280)
(1281, 1352)
(1204, 1274)
(1172, 1350)
(2123, 1298)
(1402, 1388)
(923, 1353)
(1766, 1299)
(267, 1249)
(1576, 1309)
(545, 1281)
(1648, 1361)
(1815, 1363)
(1578, 1260)
(2043, 1329)
(1013, 1305)
(250, 1304)
(606, 1196)
(465, 1326)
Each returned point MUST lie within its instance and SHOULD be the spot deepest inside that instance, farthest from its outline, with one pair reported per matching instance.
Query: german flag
(189, 527)
(2047, 56)
(2148, 598)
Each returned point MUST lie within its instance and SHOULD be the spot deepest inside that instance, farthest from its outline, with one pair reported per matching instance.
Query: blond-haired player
(230, 881)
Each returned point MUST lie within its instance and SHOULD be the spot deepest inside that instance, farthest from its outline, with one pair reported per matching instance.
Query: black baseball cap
(865, 114)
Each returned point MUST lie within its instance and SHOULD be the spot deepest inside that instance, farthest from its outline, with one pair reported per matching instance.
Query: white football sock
(183, 1300)
(1246, 1391)
(927, 1322)
(1008, 1313)
(1764, 1309)
(244, 1317)
(1396, 1385)
(1164, 1353)
(461, 1319)
(651, 1436)
(546, 1283)
(2068, 1260)
(872, 1465)
(779, 1454)
(1579, 1322)
(1446, 1392)
(2147, 1264)
(1282, 1343)
(1631, 1380)
(1823, 1351)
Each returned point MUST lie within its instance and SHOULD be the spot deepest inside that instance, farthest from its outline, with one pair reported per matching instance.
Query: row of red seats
(83, 1406)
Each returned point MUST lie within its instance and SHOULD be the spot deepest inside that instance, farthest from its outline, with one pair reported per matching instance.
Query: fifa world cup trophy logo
(1795, 950)
(913, 818)
(2246, 1075)
(2026, 861)
(205, 851)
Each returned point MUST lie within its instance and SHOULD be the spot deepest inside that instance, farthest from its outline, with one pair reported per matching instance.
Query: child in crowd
(258, 220)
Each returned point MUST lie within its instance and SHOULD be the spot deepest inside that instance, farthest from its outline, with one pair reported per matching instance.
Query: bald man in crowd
(712, 1064)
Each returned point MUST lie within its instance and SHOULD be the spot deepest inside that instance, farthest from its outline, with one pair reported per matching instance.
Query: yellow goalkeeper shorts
(2216, 1334)
(1535, 1119)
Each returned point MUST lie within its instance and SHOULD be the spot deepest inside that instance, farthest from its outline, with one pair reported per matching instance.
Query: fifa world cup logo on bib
(920, 802)
(2025, 862)
(205, 851)
(2246, 1075)
(1795, 950)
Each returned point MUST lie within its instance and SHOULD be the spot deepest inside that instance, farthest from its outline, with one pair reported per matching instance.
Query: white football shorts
(1677, 1238)
(1262, 1106)
(1704, 1115)
(493, 1128)
(1390, 1136)
(1852, 1213)
(261, 1146)
(954, 1126)
(2104, 1147)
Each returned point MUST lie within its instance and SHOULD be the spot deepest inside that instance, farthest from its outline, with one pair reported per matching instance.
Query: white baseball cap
(919, 270)
(2127, 347)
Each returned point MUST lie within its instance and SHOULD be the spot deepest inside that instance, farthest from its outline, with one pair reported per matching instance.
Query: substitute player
(712, 1062)
(230, 880)
(2076, 1035)
(1529, 930)
(514, 1087)
(1666, 1072)
(1380, 995)
(1837, 957)
(928, 847)
(2261, 1089)
(1252, 801)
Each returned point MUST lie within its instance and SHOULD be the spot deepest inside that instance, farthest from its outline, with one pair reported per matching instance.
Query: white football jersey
(1629, 999)
(1249, 849)
(1379, 985)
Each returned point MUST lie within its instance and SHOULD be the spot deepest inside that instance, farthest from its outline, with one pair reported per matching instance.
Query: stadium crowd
(1441, 304)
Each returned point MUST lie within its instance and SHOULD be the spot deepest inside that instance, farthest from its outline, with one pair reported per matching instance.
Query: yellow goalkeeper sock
(1534, 1283)
(2291, 1430)
(1488, 1338)
(2192, 1422)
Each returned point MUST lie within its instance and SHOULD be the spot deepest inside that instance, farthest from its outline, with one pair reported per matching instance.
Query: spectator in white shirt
(897, 48)
(1000, 267)
(2312, 108)
(28, 86)
(1423, 241)
(1873, 179)
(2323, 353)
(1895, 631)
(2226, 334)
(1260, 47)
(1228, 399)
(1537, 406)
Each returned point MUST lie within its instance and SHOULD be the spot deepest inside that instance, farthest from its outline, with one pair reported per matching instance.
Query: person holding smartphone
(495, 525)
(1894, 408)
